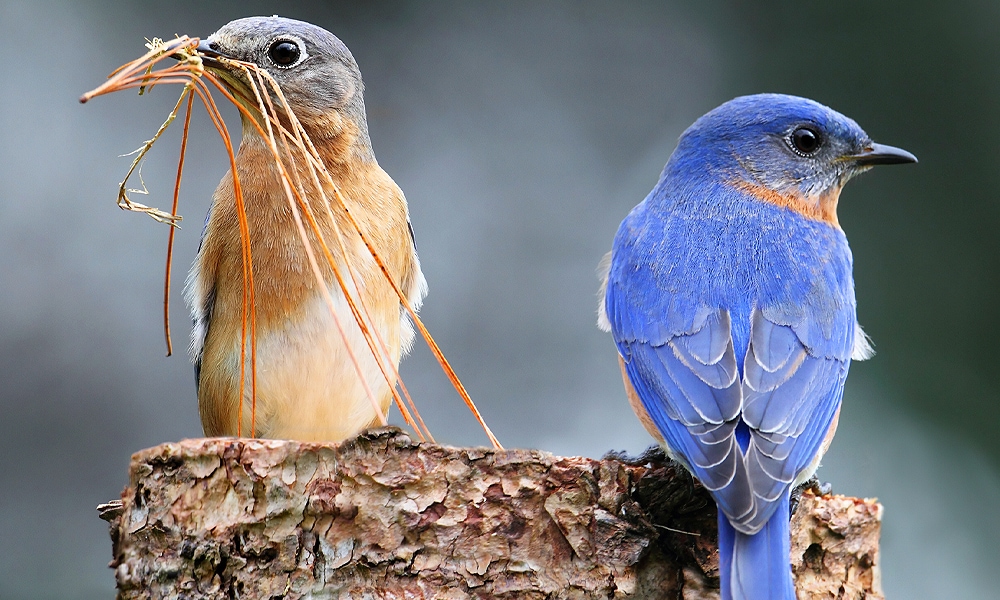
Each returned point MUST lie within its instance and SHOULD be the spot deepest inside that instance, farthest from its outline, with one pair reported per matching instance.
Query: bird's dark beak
(208, 53)
(880, 154)
(206, 48)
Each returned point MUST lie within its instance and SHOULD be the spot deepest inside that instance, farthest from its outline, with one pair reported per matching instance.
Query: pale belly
(309, 387)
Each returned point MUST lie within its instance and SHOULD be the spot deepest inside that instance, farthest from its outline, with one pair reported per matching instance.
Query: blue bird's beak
(881, 154)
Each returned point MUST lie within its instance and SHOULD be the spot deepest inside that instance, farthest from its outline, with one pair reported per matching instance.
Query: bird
(729, 293)
(307, 386)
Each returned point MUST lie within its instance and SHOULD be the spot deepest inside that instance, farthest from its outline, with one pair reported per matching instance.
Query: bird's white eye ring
(805, 141)
(286, 52)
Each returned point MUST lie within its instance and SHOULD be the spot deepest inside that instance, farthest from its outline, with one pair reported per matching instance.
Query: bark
(382, 517)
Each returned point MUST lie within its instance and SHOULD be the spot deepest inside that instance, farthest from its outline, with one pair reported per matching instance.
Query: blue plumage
(731, 300)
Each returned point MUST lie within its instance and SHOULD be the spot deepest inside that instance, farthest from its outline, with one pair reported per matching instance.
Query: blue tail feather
(757, 567)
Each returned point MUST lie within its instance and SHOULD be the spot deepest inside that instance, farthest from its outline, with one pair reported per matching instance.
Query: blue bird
(730, 296)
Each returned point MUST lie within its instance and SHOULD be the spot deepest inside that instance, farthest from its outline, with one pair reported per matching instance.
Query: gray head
(315, 70)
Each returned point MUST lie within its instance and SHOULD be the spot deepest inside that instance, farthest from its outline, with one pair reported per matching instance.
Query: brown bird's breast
(307, 384)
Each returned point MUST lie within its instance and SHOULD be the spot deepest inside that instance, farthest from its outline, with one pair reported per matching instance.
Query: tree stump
(382, 517)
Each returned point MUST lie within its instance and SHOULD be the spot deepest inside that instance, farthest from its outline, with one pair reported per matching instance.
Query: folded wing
(745, 435)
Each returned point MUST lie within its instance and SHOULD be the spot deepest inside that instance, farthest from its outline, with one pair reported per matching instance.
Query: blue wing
(743, 389)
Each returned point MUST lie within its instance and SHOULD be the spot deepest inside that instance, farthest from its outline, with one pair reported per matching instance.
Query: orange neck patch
(822, 207)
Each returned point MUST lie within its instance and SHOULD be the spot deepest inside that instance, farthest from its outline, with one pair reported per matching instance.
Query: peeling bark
(382, 517)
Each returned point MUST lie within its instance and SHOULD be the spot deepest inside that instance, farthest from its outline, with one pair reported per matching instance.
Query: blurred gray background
(522, 134)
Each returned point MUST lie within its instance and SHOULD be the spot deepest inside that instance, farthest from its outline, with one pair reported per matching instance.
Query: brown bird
(307, 386)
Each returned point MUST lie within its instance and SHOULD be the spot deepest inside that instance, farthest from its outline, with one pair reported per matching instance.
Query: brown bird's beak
(229, 75)
(206, 49)
(881, 154)
(208, 53)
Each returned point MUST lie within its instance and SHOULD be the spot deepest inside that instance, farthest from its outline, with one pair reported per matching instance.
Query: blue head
(782, 149)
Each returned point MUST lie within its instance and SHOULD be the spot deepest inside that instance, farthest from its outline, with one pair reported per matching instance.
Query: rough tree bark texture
(382, 517)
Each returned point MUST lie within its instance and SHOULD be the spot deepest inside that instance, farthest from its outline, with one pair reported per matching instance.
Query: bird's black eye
(284, 53)
(806, 141)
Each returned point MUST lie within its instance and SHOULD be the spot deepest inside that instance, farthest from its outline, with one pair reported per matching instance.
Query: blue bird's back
(730, 297)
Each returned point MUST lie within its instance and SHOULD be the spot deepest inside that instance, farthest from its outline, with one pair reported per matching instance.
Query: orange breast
(817, 208)
(287, 291)
(638, 408)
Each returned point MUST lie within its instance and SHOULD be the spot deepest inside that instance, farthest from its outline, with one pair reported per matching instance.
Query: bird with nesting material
(317, 377)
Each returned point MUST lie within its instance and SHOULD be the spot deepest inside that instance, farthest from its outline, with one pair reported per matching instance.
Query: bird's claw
(652, 455)
(814, 485)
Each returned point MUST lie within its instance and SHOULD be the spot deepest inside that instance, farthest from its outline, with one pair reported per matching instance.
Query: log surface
(382, 517)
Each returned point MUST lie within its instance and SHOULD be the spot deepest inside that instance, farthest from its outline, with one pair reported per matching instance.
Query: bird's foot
(812, 484)
(650, 456)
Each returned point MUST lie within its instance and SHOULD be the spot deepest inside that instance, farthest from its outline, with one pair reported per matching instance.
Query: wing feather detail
(692, 388)
(790, 398)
